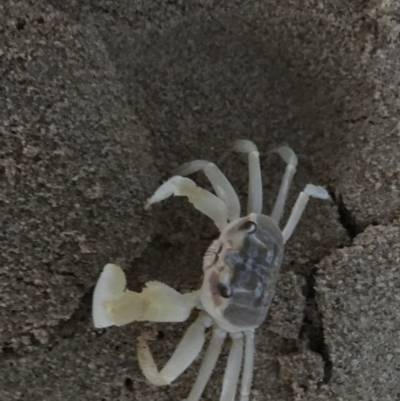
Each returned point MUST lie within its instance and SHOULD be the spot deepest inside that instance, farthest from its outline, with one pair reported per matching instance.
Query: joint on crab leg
(114, 305)
(208, 364)
(290, 159)
(220, 183)
(254, 203)
(203, 200)
(186, 352)
(232, 371)
(247, 376)
(300, 205)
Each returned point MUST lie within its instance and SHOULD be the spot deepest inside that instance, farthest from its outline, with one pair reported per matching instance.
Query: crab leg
(186, 352)
(220, 183)
(247, 375)
(114, 305)
(208, 364)
(290, 158)
(231, 377)
(300, 205)
(254, 203)
(204, 201)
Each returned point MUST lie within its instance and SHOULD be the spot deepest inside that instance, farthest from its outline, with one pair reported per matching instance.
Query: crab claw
(114, 304)
(110, 287)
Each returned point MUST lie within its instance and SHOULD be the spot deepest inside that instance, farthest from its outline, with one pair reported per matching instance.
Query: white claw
(110, 287)
(113, 304)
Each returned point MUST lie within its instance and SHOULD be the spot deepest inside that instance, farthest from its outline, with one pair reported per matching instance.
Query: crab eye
(224, 290)
(248, 226)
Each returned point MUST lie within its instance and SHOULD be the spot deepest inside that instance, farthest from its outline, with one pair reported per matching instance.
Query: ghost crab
(240, 271)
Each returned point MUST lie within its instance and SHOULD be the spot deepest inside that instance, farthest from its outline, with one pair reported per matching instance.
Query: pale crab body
(240, 272)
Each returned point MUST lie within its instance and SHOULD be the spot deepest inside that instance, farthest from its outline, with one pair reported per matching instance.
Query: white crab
(240, 273)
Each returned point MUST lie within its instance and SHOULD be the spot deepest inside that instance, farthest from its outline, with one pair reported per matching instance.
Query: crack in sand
(313, 328)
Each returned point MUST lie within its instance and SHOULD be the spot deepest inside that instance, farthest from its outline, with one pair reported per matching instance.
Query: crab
(240, 272)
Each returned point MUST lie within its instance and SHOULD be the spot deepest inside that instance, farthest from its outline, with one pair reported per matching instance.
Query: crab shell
(241, 269)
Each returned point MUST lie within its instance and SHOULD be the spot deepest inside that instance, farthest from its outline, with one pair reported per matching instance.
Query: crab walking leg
(254, 202)
(231, 377)
(300, 205)
(186, 352)
(290, 158)
(247, 376)
(208, 364)
(220, 183)
(203, 200)
(113, 305)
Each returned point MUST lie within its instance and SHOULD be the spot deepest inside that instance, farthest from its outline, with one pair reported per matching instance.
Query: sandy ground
(99, 100)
